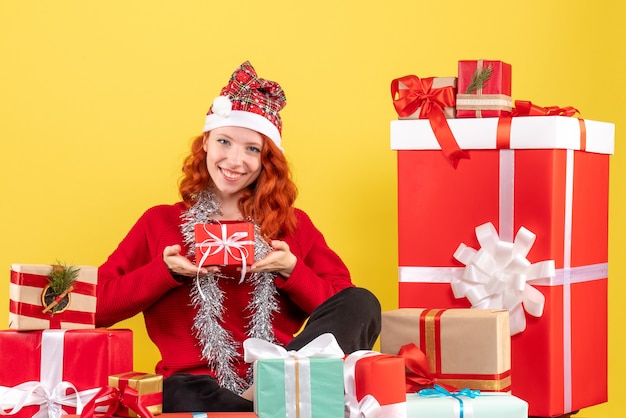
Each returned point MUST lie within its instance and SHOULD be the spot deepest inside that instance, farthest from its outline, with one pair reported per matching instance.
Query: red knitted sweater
(135, 279)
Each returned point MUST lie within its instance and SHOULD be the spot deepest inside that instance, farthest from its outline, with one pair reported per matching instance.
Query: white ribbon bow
(498, 275)
(51, 402)
(368, 406)
(324, 346)
(50, 392)
(229, 244)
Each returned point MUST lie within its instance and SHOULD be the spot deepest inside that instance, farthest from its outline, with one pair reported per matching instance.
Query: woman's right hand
(180, 265)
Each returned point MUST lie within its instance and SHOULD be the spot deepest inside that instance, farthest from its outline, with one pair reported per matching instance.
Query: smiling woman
(199, 316)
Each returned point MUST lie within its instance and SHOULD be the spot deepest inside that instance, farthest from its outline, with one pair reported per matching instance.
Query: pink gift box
(57, 360)
(552, 179)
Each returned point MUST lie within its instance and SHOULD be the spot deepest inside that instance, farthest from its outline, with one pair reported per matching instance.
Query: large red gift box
(225, 243)
(26, 307)
(491, 98)
(60, 369)
(374, 385)
(550, 176)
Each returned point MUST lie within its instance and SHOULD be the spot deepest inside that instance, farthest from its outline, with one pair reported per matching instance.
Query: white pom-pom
(222, 106)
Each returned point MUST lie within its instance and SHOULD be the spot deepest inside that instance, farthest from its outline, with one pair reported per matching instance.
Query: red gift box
(491, 98)
(560, 193)
(57, 362)
(29, 283)
(374, 382)
(225, 243)
(195, 415)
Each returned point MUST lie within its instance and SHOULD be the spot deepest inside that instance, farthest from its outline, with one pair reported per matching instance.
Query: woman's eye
(222, 141)
(254, 149)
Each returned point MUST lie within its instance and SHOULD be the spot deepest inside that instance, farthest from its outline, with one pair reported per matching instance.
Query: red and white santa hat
(250, 102)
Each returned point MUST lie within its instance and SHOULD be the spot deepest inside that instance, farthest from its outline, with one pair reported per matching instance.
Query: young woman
(199, 317)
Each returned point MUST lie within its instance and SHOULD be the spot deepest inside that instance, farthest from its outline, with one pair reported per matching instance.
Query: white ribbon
(324, 346)
(50, 392)
(229, 244)
(498, 275)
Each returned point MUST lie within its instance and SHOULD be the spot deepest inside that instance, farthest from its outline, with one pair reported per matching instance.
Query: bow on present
(324, 346)
(438, 391)
(233, 246)
(114, 398)
(497, 276)
(527, 108)
(418, 374)
(420, 94)
(50, 400)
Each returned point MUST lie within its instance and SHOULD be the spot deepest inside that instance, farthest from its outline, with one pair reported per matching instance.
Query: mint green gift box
(307, 383)
(299, 387)
(483, 405)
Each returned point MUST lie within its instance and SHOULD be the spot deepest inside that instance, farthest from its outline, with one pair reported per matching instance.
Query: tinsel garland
(219, 348)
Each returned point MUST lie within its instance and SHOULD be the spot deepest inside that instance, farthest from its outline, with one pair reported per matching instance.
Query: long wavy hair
(268, 201)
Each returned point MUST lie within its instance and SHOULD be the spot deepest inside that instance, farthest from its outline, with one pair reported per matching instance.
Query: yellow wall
(99, 100)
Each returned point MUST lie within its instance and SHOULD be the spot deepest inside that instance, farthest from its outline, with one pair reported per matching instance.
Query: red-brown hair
(268, 201)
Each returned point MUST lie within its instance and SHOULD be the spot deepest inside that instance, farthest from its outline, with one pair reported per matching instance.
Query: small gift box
(225, 243)
(484, 89)
(414, 98)
(374, 385)
(53, 372)
(307, 382)
(145, 389)
(209, 415)
(441, 403)
(34, 304)
(462, 347)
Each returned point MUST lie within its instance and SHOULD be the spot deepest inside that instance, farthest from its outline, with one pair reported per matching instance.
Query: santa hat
(250, 102)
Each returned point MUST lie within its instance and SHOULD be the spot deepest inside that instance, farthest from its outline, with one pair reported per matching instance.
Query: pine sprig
(479, 78)
(62, 277)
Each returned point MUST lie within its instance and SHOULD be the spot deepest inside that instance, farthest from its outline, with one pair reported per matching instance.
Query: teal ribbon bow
(440, 391)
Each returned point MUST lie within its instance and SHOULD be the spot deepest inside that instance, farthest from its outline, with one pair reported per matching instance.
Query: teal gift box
(296, 387)
(307, 383)
(456, 405)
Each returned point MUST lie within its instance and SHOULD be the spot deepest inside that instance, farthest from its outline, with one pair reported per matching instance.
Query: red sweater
(135, 279)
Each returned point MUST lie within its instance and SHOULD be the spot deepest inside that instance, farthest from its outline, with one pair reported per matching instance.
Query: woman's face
(233, 159)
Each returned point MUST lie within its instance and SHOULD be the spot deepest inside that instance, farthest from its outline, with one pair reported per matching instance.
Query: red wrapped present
(374, 385)
(543, 174)
(225, 243)
(483, 89)
(51, 372)
(33, 306)
(461, 348)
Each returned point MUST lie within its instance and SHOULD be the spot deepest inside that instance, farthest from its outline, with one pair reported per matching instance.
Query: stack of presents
(503, 233)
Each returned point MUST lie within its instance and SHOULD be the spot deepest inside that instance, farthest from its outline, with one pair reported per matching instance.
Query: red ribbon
(420, 94)
(115, 398)
(418, 374)
(527, 108)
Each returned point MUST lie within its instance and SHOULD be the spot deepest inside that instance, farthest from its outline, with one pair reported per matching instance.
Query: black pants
(353, 316)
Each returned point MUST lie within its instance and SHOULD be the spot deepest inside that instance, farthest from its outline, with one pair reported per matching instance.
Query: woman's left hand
(281, 260)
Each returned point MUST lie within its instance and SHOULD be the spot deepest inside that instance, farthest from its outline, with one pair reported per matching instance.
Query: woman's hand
(281, 260)
(180, 265)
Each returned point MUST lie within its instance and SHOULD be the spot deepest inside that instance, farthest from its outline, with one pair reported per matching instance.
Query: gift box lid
(527, 132)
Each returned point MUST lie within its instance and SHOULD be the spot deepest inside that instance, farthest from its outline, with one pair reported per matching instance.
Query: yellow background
(99, 100)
